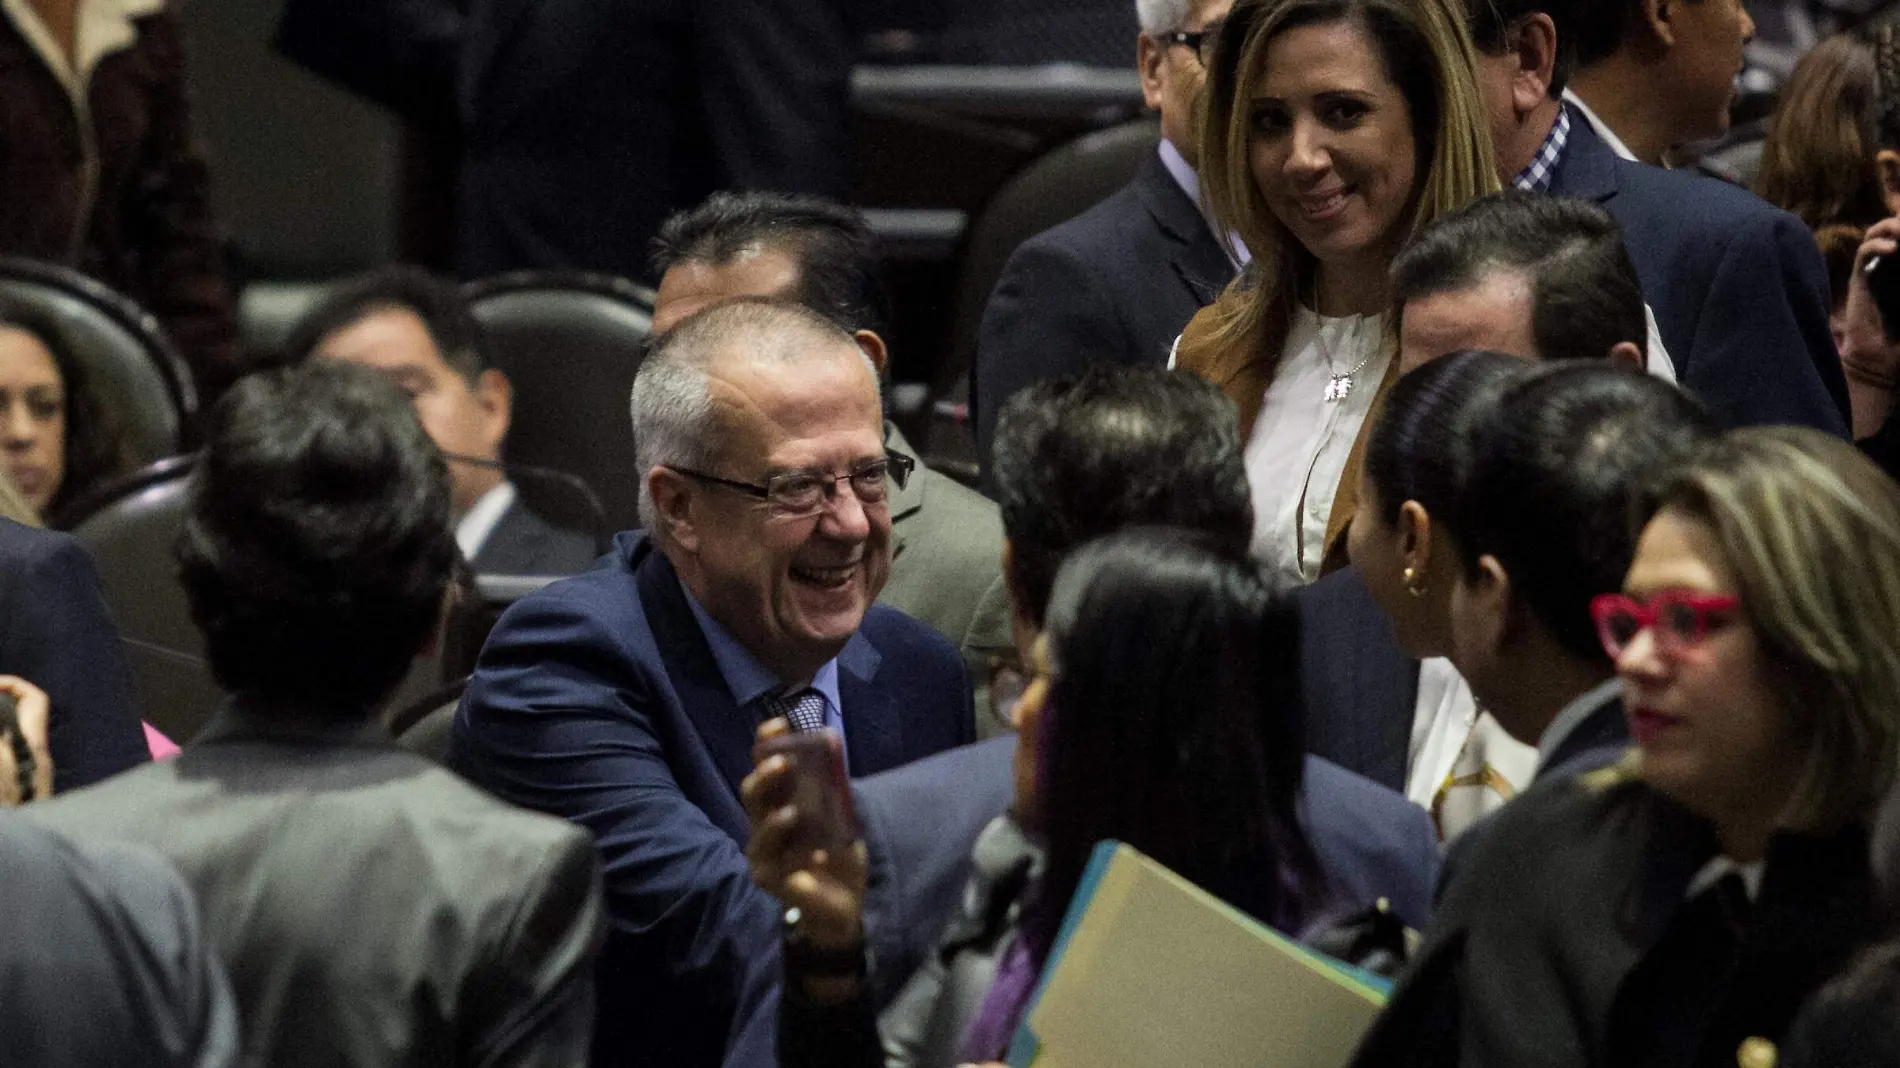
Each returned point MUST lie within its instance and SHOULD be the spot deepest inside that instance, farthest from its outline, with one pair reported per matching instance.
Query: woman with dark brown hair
(57, 439)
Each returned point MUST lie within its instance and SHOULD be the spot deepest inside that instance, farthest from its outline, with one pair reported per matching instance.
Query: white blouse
(1302, 440)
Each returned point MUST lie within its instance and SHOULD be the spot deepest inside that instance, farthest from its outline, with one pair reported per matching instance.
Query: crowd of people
(1419, 510)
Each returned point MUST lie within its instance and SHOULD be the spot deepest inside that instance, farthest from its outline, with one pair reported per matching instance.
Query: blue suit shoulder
(1372, 841)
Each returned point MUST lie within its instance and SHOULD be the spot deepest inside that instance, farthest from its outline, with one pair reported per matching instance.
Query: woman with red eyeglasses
(1678, 908)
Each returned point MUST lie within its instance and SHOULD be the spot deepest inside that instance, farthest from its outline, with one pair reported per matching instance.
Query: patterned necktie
(803, 709)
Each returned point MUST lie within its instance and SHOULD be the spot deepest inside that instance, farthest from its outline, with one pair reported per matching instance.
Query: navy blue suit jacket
(1358, 688)
(598, 699)
(55, 633)
(1115, 284)
(920, 823)
(1738, 287)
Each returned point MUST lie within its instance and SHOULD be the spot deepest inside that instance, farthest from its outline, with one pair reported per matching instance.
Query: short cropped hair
(434, 300)
(1079, 457)
(838, 273)
(671, 405)
(316, 547)
(1493, 23)
(1810, 529)
(1553, 480)
(1160, 16)
(1585, 296)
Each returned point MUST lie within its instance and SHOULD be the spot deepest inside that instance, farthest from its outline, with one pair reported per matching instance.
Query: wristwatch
(850, 962)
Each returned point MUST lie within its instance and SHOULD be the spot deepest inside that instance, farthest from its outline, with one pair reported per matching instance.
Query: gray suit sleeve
(535, 1009)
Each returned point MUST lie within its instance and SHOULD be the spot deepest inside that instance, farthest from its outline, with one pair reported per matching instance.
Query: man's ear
(1149, 55)
(1659, 18)
(1534, 44)
(1626, 356)
(874, 350)
(496, 396)
(673, 507)
(1887, 168)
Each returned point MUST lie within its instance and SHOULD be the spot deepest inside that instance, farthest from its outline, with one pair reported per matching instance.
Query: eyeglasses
(1679, 619)
(798, 494)
(1199, 42)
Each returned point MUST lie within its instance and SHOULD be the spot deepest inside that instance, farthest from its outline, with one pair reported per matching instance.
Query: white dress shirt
(473, 529)
(1451, 739)
(1301, 441)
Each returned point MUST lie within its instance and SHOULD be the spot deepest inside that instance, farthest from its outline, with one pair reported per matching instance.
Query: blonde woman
(1679, 908)
(1333, 130)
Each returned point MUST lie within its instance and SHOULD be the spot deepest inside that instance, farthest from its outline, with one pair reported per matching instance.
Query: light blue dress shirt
(750, 681)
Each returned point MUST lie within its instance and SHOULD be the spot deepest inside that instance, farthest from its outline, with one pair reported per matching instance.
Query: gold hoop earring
(1412, 585)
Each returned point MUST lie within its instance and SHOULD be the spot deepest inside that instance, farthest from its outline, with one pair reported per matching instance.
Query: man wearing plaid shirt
(1738, 288)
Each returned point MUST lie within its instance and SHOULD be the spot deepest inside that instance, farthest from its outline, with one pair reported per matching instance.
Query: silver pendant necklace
(1340, 385)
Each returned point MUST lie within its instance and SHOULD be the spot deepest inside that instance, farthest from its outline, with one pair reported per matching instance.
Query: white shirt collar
(1572, 716)
(1189, 180)
(1602, 129)
(1719, 867)
(472, 531)
(101, 27)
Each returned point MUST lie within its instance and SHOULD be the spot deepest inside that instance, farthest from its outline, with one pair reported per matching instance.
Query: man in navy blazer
(626, 698)
(1738, 288)
(1116, 283)
(56, 634)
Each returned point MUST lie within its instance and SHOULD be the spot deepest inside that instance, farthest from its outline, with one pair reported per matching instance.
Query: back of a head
(1854, 1021)
(1817, 160)
(1585, 295)
(1493, 23)
(435, 300)
(1171, 723)
(1076, 458)
(1421, 448)
(1810, 531)
(833, 245)
(316, 545)
(1554, 478)
(674, 423)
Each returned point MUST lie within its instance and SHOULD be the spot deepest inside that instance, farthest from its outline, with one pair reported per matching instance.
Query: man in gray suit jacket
(370, 908)
(946, 539)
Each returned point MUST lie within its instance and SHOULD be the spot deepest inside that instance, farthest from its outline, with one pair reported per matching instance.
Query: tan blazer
(1243, 372)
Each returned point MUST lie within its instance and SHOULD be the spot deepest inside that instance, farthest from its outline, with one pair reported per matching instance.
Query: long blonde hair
(1811, 530)
(1427, 54)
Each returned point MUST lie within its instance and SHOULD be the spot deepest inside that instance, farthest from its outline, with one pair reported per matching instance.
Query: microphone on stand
(549, 475)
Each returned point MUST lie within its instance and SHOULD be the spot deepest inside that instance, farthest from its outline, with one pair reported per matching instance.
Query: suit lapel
(873, 724)
(1198, 259)
(703, 694)
(1603, 729)
(1587, 170)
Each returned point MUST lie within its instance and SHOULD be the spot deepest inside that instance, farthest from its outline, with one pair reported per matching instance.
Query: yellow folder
(1154, 972)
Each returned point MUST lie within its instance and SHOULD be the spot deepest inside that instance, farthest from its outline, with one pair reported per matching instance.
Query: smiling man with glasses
(626, 698)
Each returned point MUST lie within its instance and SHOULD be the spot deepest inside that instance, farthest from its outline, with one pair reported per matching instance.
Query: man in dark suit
(1117, 283)
(636, 110)
(1652, 78)
(946, 539)
(403, 54)
(1076, 459)
(416, 329)
(1533, 276)
(626, 698)
(370, 907)
(56, 634)
(1738, 288)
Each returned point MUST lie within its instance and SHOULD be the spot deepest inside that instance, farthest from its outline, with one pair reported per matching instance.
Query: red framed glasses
(1679, 619)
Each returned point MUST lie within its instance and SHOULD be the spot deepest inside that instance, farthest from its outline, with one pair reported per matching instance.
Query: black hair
(316, 545)
(1078, 457)
(1494, 22)
(838, 274)
(1421, 447)
(435, 300)
(1585, 296)
(1854, 1021)
(1601, 26)
(96, 447)
(1173, 726)
(1554, 481)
